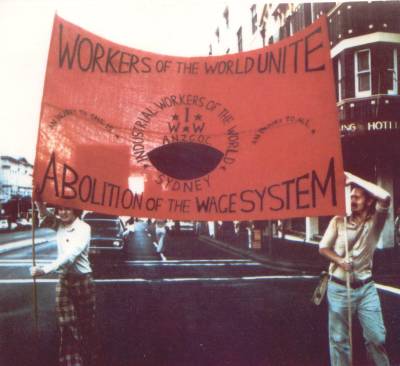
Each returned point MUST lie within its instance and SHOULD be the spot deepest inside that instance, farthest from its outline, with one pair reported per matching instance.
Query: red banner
(247, 136)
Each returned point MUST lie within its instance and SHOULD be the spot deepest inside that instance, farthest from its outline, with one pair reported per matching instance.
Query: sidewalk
(309, 261)
(22, 239)
(298, 256)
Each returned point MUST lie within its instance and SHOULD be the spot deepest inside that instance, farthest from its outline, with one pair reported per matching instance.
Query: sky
(159, 26)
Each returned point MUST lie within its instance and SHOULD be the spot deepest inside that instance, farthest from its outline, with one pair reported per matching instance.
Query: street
(200, 306)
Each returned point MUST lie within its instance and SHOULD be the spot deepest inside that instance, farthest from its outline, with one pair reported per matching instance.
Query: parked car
(183, 227)
(23, 224)
(187, 226)
(108, 233)
(4, 223)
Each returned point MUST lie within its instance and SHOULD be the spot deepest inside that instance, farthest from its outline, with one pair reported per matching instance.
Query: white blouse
(73, 247)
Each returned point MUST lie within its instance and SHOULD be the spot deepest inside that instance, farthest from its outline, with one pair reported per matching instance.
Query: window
(291, 29)
(262, 33)
(339, 80)
(391, 74)
(226, 16)
(253, 18)
(240, 40)
(362, 66)
(312, 13)
(271, 40)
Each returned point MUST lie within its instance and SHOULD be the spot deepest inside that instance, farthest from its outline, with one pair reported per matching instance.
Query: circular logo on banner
(186, 138)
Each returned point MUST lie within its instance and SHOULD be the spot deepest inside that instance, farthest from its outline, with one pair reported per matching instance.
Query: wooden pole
(34, 289)
(349, 310)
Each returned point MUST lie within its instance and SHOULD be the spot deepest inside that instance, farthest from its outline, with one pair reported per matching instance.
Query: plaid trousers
(75, 308)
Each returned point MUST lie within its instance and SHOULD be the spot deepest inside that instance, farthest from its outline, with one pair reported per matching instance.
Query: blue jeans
(365, 302)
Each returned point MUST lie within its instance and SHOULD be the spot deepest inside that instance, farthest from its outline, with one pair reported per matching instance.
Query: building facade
(365, 52)
(15, 178)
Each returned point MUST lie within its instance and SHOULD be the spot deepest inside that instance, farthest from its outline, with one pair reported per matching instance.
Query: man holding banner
(369, 207)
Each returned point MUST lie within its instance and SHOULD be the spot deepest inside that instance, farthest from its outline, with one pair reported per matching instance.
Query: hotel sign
(356, 128)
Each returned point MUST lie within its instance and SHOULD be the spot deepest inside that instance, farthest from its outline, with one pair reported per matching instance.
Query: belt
(75, 275)
(354, 284)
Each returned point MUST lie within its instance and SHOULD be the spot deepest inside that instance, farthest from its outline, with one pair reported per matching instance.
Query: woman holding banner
(75, 294)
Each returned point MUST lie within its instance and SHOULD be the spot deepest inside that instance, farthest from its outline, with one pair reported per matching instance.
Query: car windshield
(104, 227)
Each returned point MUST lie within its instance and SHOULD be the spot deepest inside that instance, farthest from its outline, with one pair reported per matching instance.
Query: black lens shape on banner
(185, 160)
